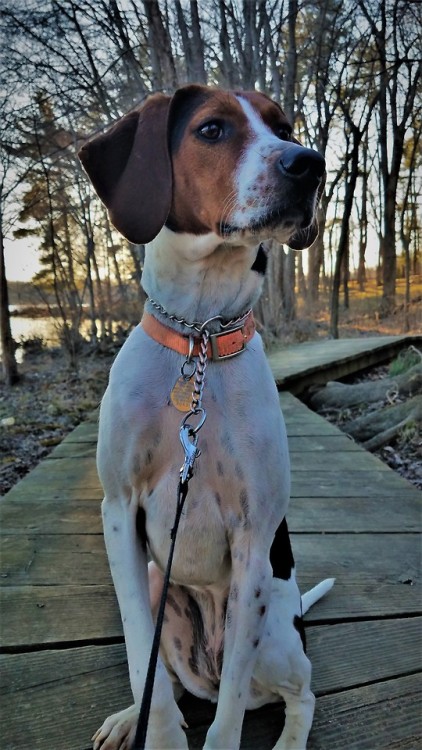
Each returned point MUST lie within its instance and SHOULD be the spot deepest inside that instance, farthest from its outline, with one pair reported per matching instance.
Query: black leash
(141, 729)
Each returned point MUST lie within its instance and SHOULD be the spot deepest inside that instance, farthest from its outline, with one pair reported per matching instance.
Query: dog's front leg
(247, 607)
(128, 565)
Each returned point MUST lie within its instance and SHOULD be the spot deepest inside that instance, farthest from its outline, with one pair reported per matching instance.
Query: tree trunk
(336, 395)
(344, 234)
(198, 72)
(365, 428)
(10, 370)
(363, 224)
(162, 62)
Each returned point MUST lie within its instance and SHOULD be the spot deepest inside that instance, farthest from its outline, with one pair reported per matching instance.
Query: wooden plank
(358, 653)
(57, 615)
(71, 596)
(63, 559)
(68, 449)
(26, 490)
(296, 445)
(385, 715)
(376, 483)
(400, 513)
(64, 471)
(58, 698)
(56, 559)
(43, 516)
(86, 432)
(356, 461)
(321, 444)
(315, 362)
(40, 615)
(359, 558)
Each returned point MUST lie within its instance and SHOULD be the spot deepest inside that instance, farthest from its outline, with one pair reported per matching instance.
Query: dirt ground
(47, 403)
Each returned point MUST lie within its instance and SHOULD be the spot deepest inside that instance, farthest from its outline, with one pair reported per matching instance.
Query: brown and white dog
(203, 178)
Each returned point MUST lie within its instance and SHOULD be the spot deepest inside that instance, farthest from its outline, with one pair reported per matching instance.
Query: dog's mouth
(275, 218)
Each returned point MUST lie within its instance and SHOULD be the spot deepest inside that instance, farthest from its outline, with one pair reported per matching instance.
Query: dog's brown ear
(130, 169)
(306, 237)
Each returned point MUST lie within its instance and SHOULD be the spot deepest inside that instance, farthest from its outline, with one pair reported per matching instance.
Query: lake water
(26, 328)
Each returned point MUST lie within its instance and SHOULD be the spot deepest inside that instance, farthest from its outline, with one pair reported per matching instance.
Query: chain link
(199, 327)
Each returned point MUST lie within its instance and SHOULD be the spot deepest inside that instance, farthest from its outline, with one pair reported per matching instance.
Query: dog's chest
(239, 481)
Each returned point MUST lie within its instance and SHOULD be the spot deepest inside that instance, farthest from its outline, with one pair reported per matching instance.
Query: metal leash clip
(189, 439)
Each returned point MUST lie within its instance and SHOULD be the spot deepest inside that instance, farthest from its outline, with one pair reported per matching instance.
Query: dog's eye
(211, 131)
(284, 133)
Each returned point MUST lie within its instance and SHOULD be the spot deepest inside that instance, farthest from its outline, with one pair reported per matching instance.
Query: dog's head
(207, 161)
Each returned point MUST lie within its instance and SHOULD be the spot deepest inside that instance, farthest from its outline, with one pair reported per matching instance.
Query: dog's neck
(199, 277)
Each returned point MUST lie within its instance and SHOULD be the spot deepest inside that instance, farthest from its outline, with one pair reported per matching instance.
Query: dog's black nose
(299, 162)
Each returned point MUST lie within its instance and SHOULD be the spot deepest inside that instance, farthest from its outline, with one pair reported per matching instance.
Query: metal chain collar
(189, 433)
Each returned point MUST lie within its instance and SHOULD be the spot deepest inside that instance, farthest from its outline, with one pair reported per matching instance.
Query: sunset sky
(21, 258)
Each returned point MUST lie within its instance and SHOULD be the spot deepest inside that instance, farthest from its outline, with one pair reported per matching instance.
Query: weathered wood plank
(401, 513)
(314, 362)
(322, 444)
(385, 715)
(27, 490)
(86, 432)
(42, 615)
(63, 472)
(54, 560)
(58, 698)
(74, 450)
(61, 591)
(45, 516)
(392, 513)
(303, 444)
(355, 461)
(318, 483)
(59, 559)
(64, 469)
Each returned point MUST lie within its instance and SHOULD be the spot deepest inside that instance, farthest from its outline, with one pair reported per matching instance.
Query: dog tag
(181, 394)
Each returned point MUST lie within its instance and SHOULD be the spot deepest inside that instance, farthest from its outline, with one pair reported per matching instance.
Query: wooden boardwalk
(63, 665)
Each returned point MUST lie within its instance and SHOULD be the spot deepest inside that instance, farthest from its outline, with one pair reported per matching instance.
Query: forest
(346, 72)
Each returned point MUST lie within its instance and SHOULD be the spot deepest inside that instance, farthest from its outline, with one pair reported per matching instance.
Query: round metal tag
(181, 394)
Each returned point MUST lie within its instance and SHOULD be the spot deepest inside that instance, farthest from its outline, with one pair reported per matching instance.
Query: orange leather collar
(220, 346)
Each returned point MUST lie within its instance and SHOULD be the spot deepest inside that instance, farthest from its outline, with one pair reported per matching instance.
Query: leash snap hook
(189, 440)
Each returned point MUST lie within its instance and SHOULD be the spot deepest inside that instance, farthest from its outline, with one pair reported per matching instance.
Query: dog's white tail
(316, 593)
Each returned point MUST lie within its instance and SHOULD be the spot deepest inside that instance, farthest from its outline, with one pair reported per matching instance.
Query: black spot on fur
(255, 643)
(261, 261)
(148, 457)
(220, 469)
(257, 593)
(171, 601)
(239, 471)
(281, 555)
(298, 623)
(141, 527)
(178, 643)
(262, 610)
(218, 498)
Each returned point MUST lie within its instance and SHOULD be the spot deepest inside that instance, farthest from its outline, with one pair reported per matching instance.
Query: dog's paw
(118, 731)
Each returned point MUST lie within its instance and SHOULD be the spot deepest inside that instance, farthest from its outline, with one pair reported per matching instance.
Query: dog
(203, 178)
